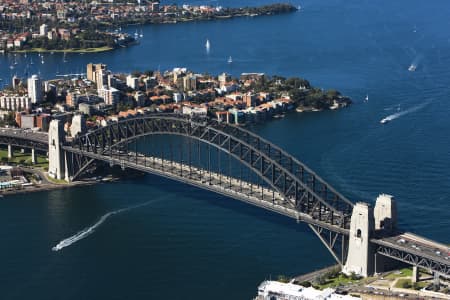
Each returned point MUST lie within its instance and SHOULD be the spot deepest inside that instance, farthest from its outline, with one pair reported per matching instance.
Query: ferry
(412, 68)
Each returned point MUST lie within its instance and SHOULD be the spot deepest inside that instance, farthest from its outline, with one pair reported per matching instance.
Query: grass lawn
(337, 281)
(406, 272)
(23, 159)
(407, 284)
(72, 50)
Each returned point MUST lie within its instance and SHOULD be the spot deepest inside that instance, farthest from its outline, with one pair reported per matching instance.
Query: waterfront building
(274, 290)
(15, 102)
(35, 89)
(223, 79)
(101, 78)
(90, 69)
(15, 82)
(189, 83)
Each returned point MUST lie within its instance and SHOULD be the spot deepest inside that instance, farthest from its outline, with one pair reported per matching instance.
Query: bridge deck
(416, 250)
(251, 193)
(27, 134)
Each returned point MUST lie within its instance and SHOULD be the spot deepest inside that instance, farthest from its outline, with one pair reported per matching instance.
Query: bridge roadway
(24, 138)
(416, 250)
(248, 192)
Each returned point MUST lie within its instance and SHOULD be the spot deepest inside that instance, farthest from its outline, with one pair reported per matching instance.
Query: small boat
(207, 45)
(412, 68)
(230, 60)
(385, 120)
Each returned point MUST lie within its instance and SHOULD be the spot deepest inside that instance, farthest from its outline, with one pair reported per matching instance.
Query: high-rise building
(110, 95)
(190, 83)
(132, 82)
(35, 89)
(91, 70)
(101, 78)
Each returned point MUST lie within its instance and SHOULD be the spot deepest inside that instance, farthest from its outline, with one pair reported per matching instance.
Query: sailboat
(230, 60)
(136, 34)
(42, 59)
(367, 98)
(207, 45)
(141, 34)
(31, 61)
(64, 57)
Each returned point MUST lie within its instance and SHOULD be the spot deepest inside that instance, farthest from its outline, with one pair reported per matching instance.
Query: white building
(132, 82)
(189, 110)
(109, 94)
(274, 290)
(15, 102)
(35, 89)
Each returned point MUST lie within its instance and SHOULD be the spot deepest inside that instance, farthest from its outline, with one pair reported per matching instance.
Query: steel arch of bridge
(301, 187)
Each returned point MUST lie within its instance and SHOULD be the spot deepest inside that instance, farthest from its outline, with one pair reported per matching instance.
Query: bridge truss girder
(17, 141)
(414, 258)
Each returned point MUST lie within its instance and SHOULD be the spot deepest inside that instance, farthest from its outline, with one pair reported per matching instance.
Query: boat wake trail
(404, 112)
(90, 230)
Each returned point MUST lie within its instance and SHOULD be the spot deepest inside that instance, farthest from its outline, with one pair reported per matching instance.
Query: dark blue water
(192, 244)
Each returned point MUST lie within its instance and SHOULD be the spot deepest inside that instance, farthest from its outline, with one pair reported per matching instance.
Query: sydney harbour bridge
(237, 163)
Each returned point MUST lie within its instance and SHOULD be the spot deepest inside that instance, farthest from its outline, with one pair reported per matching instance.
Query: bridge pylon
(56, 160)
(360, 251)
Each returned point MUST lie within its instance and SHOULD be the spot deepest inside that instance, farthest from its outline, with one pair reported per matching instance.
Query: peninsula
(80, 26)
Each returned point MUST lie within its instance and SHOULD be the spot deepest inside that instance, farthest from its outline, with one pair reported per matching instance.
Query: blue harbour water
(187, 243)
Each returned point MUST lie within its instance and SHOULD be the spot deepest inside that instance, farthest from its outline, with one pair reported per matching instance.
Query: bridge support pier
(10, 151)
(56, 163)
(360, 251)
(33, 156)
(415, 274)
(385, 213)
